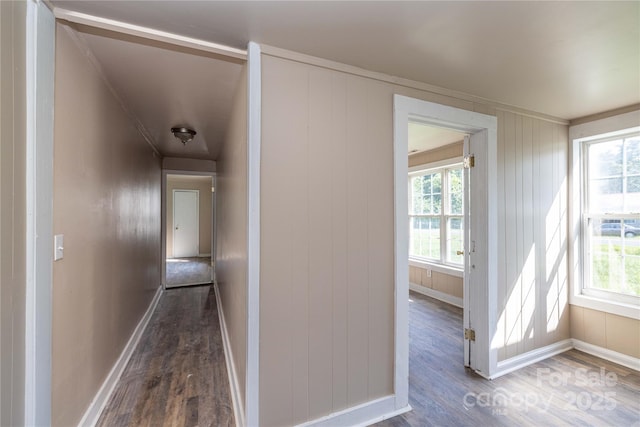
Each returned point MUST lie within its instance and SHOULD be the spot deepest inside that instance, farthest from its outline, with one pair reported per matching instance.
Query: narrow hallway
(177, 374)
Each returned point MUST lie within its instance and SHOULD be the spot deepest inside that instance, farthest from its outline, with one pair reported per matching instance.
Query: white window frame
(441, 265)
(588, 216)
(610, 127)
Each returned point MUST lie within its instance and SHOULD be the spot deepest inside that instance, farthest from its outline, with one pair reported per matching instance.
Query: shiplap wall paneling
(532, 160)
(327, 221)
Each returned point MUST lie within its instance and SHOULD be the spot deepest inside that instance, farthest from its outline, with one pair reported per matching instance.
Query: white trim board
(362, 415)
(399, 81)
(254, 105)
(148, 33)
(440, 296)
(606, 354)
(92, 414)
(236, 398)
(522, 360)
(39, 79)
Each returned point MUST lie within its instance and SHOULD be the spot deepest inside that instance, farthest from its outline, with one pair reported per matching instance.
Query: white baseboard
(530, 357)
(91, 415)
(362, 415)
(606, 354)
(449, 299)
(236, 398)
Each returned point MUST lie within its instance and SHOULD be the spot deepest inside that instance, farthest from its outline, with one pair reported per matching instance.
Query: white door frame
(485, 321)
(197, 193)
(163, 213)
(40, 56)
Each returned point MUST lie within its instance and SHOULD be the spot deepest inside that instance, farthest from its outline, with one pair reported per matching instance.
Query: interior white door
(466, 306)
(185, 223)
(476, 259)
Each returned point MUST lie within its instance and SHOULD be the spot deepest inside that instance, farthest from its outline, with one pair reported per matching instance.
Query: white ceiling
(165, 86)
(566, 59)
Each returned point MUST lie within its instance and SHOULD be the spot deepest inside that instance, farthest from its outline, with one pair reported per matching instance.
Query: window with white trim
(611, 218)
(436, 215)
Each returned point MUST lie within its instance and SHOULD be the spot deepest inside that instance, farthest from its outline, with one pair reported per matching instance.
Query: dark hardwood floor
(572, 388)
(177, 375)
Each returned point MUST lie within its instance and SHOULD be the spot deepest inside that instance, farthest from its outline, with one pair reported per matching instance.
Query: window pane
(424, 237)
(426, 194)
(615, 255)
(455, 191)
(605, 177)
(632, 147)
(605, 159)
(455, 239)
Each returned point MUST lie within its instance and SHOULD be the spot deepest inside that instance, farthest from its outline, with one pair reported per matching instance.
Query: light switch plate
(58, 247)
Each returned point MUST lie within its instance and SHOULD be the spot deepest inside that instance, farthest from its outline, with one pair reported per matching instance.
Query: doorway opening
(480, 225)
(189, 229)
(438, 235)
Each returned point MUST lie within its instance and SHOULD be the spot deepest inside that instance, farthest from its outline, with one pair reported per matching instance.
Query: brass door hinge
(469, 334)
(469, 162)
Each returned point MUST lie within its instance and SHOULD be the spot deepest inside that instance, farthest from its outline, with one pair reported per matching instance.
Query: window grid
(436, 220)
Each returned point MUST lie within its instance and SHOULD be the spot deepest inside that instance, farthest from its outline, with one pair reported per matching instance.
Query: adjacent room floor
(572, 388)
(188, 271)
(177, 375)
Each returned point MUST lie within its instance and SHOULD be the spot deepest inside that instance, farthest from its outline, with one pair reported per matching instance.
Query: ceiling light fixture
(183, 134)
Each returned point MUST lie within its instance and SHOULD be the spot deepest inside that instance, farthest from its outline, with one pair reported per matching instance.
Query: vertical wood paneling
(502, 267)
(320, 249)
(532, 176)
(295, 162)
(357, 242)
(276, 299)
(378, 138)
(327, 238)
(548, 297)
(338, 170)
(528, 247)
(512, 308)
(562, 156)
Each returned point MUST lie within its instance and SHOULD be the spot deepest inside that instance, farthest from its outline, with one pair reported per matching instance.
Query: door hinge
(469, 161)
(469, 334)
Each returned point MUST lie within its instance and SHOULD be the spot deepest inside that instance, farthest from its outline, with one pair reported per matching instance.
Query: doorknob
(459, 252)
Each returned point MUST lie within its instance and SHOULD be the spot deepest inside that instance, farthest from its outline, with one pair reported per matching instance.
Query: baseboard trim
(449, 299)
(92, 414)
(362, 415)
(530, 357)
(238, 408)
(606, 354)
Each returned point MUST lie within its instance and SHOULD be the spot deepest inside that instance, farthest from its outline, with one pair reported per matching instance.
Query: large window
(436, 218)
(611, 218)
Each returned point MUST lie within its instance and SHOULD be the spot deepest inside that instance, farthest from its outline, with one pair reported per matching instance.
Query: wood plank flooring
(573, 388)
(177, 375)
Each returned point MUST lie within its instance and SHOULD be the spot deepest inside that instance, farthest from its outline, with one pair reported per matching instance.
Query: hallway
(177, 374)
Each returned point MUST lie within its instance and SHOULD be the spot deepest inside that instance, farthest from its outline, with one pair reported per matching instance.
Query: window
(611, 218)
(436, 216)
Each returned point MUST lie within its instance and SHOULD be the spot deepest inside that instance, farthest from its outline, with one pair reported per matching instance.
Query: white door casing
(185, 223)
(481, 286)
